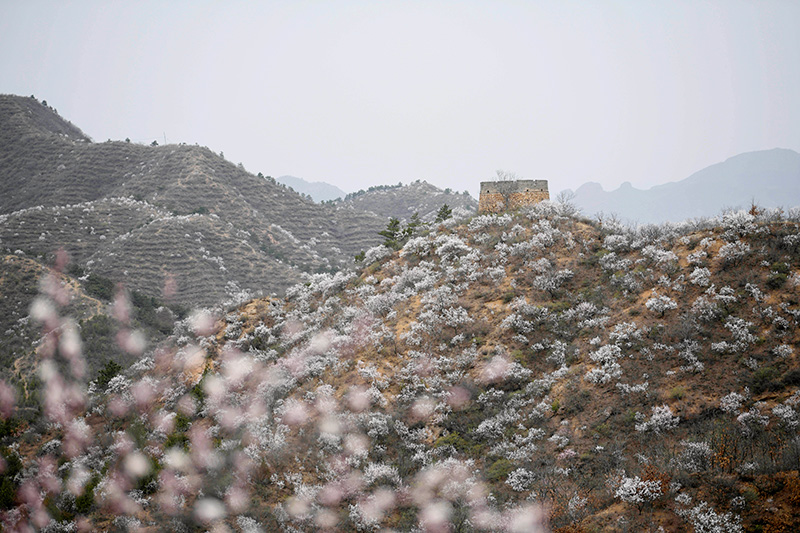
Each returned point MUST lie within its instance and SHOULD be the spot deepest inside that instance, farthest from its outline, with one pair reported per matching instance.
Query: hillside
(145, 214)
(89, 301)
(402, 201)
(517, 372)
(770, 178)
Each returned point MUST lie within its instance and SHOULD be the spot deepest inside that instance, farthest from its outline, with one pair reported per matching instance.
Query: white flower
(731, 402)
(662, 419)
(638, 491)
(660, 304)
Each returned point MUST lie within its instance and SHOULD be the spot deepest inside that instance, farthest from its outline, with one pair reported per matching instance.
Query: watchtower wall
(499, 196)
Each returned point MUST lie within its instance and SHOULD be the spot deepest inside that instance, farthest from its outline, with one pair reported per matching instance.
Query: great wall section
(499, 196)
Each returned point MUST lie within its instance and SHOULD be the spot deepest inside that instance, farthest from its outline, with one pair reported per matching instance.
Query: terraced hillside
(97, 199)
(402, 201)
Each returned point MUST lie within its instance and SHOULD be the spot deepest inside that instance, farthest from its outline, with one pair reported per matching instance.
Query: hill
(515, 372)
(89, 301)
(402, 201)
(770, 178)
(152, 214)
(319, 191)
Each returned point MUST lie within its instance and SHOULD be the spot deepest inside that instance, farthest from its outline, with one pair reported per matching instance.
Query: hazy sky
(366, 93)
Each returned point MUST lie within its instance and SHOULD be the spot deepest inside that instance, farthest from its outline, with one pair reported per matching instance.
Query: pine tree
(392, 234)
(444, 213)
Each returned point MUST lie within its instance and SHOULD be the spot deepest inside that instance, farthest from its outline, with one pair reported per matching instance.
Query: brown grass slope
(518, 359)
(594, 433)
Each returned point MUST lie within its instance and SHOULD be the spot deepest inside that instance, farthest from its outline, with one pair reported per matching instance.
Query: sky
(376, 92)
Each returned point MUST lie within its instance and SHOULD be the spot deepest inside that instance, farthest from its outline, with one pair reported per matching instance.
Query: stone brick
(500, 196)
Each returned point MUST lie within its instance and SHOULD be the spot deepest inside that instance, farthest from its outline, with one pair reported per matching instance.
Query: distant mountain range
(770, 178)
(319, 191)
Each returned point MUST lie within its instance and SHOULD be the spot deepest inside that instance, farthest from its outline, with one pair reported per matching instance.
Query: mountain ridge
(403, 201)
(770, 178)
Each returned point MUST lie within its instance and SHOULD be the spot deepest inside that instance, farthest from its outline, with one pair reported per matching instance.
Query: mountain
(531, 371)
(152, 215)
(402, 201)
(770, 178)
(319, 191)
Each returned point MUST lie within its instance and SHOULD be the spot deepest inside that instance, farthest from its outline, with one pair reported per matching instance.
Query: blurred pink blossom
(8, 399)
(358, 399)
(457, 397)
(495, 370)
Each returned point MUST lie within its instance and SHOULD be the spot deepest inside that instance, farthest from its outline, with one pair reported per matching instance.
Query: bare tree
(505, 186)
(505, 175)
(566, 203)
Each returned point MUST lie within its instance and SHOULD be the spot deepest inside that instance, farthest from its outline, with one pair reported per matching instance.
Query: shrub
(99, 287)
(85, 502)
(677, 392)
(8, 486)
(106, 374)
(764, 379)
(776, 280)
(792, 377)
(499, 470)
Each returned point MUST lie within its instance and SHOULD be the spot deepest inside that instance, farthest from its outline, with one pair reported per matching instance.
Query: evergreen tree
(392, 234)
(444, 213)
(412, 227)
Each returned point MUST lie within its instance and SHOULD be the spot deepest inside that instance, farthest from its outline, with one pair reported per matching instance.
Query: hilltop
(402, 201)
(150, 215)
(768, 178)
(496, 373)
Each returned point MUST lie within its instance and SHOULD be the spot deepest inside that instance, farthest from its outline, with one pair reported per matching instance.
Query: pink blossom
(187, 405)
(296, 414)
(8, 400)
(170, 288)
(495, 370)
(143, 394)
(457, 397)
(122, 307)
(118, 406)
(298, 507)
(77, 437)
(137, 465)
(358, 399)
(435, 516)
(331, 494)
(237, 499)
(527, 519)
(132, 341)
(422, 408)
(202, 323)
(326, 519)
(207, 510)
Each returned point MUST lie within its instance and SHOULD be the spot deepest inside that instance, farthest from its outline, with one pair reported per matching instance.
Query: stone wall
(499, 196)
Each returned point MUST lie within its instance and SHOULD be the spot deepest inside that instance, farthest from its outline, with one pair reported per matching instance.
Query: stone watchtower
(499, 196)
